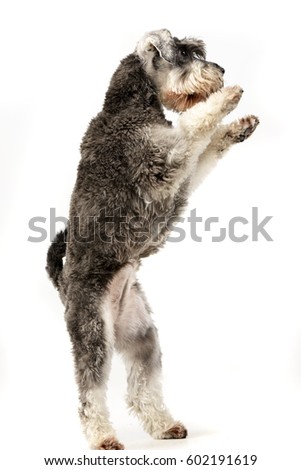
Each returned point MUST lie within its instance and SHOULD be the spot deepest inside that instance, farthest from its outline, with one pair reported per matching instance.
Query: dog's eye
(183, 52)
(197, 56)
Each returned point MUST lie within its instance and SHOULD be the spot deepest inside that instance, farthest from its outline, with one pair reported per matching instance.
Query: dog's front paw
(231, 98)
(242, 129)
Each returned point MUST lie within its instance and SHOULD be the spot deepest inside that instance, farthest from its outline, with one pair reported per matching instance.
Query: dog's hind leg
(90, 325)
(137, 340)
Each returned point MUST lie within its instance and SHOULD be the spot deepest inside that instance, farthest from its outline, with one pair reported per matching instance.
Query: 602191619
(221, 460)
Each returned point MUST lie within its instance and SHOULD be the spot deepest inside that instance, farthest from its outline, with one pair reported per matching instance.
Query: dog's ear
(160, 40)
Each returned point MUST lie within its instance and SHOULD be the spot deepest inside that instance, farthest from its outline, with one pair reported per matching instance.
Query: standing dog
(134, 178)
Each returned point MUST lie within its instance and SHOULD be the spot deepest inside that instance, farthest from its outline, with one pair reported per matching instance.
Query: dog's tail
(55, 255)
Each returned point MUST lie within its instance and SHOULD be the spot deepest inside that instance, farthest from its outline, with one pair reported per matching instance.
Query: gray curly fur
(115, 165)
(123, 206)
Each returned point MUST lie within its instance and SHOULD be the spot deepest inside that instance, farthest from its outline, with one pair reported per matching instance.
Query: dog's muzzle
(218, 67)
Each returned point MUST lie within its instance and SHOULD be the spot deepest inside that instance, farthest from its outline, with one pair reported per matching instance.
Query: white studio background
(228, 313)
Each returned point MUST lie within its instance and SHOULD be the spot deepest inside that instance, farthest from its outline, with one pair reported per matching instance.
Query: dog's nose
(221, 69)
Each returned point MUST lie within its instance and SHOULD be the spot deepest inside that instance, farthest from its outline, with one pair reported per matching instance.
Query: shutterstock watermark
(118, 227)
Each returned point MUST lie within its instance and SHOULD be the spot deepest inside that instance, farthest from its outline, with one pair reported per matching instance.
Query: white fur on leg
(202, 119)
(223, 138)
(95, 417)
(146, 402)
(209, 158)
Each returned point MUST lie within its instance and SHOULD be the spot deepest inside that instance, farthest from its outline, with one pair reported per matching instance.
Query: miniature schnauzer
(136, 169)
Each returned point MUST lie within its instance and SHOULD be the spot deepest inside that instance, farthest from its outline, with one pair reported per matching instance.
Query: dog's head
(179, 69)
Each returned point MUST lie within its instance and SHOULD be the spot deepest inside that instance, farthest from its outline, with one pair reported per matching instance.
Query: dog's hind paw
(176, 431)
(110, 443)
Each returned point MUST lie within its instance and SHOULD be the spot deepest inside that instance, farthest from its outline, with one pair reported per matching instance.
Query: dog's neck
(131, 85)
